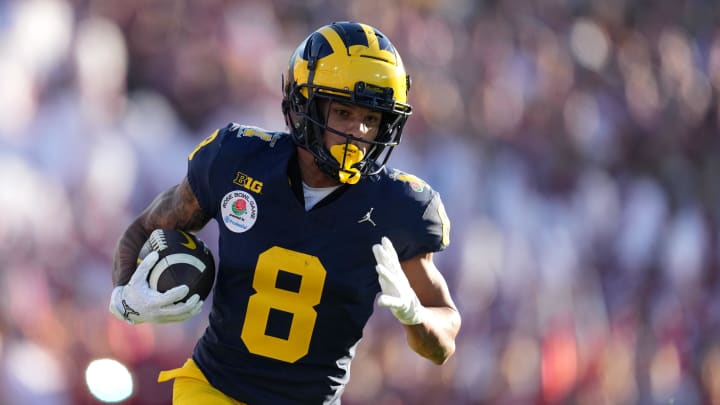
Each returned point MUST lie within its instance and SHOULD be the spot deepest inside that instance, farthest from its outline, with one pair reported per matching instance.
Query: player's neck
(311, 174)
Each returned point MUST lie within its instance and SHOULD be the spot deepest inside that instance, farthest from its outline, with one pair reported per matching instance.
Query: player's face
(357, 121)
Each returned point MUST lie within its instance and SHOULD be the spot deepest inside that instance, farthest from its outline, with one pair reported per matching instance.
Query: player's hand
(136, 302)
(396, 291)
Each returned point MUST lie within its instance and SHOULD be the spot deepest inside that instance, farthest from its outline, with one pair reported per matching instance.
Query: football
(184, 259)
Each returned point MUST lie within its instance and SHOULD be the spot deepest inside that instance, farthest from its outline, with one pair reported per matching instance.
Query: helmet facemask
(312, 78)
(356, 157)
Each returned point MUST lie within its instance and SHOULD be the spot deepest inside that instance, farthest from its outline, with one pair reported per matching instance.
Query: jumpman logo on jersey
(367, 218)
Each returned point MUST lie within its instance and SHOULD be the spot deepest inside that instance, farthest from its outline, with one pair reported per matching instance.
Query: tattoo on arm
(175, 208)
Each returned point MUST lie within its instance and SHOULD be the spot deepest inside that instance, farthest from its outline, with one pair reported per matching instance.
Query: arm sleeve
(430, 233)
(437, 225)
(201, 164)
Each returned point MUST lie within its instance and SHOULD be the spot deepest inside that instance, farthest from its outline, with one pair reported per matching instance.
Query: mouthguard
(351, 155)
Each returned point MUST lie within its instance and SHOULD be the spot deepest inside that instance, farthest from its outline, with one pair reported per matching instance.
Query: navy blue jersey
(294, 289)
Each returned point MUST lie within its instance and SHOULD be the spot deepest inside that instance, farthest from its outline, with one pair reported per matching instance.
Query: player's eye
(372, 121)
(342, 113)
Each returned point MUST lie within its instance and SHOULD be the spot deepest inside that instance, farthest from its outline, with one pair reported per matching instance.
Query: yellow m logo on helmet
(343, 54)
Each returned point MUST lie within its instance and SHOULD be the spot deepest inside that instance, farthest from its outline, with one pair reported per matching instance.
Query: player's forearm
(175, 208)
(434, 339)
(159, 214)
(130, 243)
(126, 252)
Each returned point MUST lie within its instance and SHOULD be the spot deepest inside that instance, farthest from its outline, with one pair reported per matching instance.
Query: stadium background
(575, 143)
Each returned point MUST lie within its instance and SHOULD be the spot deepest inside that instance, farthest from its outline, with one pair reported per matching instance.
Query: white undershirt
(313, 195)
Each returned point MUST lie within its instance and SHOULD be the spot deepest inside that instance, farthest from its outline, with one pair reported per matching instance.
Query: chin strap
(347, 155)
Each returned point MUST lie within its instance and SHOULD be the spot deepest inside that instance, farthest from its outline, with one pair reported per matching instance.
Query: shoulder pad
(247, 131)
(416, 184)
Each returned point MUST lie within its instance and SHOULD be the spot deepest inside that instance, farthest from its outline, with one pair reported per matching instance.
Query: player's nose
(357, 128)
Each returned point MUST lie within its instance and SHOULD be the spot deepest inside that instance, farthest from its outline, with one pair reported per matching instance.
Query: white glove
(396, 291)
(136, 302)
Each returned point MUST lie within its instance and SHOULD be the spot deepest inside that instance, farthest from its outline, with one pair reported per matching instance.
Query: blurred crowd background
(575, 143)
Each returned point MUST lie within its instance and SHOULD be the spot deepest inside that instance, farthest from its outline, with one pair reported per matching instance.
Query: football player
(312, 226)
